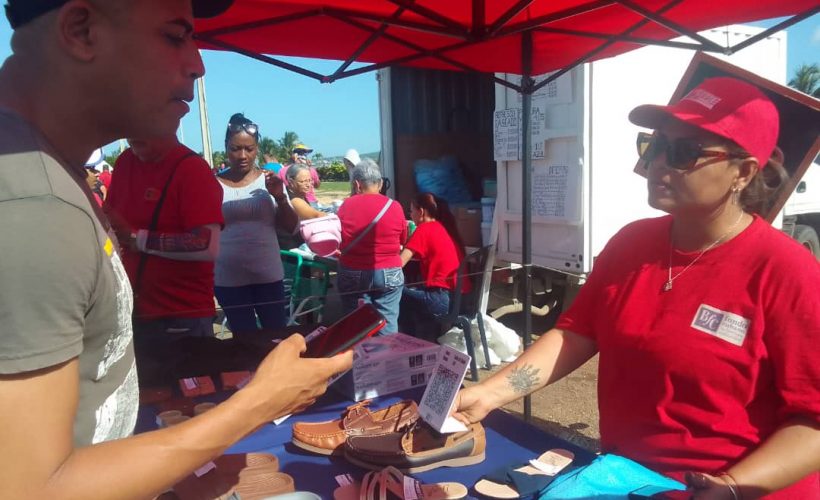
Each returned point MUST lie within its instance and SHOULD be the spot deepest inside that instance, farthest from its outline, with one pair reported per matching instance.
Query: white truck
(800, 218)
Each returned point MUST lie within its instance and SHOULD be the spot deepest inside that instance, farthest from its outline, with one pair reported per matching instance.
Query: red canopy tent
(523, 37)
(476, 35)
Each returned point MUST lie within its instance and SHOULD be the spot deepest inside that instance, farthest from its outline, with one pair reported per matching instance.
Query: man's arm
(553, 356)
(37, 413)
(200, 243)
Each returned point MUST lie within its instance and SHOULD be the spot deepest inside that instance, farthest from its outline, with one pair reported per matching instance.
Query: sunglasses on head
(681, 154)
(250, 128)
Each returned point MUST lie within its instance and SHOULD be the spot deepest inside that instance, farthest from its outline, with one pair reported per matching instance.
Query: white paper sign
(555, 192)
(438, 398)
(507, 135)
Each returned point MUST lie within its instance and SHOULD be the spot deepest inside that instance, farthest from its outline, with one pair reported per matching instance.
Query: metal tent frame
(427, 20)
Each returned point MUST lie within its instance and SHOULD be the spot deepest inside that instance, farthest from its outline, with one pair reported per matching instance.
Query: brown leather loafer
(418, 449)
(327, 438)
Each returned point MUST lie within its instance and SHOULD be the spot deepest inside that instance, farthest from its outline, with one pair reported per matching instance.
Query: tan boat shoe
(417, 449)
(327, 438)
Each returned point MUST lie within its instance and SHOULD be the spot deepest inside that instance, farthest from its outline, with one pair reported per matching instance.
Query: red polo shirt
(695, 378)
(168, 288)
(439, 256)
(380, 247)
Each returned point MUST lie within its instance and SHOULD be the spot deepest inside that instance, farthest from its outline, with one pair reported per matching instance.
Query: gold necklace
(668, 285)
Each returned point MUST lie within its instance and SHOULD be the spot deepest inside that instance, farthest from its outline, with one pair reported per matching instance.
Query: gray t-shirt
(63, 290)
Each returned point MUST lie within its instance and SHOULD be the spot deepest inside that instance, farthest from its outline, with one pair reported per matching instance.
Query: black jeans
(421, 311)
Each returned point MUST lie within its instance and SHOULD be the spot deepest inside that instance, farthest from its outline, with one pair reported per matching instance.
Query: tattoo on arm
(196, 240)
(523, 379)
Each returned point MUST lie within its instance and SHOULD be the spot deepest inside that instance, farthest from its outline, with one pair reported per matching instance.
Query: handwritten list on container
(554, 193)
(507, 135)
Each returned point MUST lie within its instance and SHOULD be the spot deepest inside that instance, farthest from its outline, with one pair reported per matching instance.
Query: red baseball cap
(728, 107)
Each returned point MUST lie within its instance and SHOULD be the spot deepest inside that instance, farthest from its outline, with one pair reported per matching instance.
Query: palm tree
(807, 79)
(286, 143)
(267, 148)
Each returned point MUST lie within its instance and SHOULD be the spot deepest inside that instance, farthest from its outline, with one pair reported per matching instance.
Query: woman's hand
(470, 406)
(706, 487)
(274, 184)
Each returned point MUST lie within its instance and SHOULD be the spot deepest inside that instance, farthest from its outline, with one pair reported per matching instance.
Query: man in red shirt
(166, 208)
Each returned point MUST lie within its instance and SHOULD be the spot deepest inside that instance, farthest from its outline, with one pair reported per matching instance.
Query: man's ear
(77, 23)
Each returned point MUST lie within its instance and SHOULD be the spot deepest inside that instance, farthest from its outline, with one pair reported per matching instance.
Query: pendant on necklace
(667, 286)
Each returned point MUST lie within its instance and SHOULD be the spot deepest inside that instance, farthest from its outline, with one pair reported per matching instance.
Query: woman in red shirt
(705, 321)
(373, 231)
(437, 244)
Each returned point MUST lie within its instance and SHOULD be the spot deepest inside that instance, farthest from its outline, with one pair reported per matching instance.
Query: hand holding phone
(362, 323)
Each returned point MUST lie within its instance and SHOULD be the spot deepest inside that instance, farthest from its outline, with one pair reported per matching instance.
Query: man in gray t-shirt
(84, 73)
(82, 309)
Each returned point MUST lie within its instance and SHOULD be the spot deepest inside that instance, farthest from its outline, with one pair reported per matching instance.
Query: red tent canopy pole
(272, 21)
(625, 38)
(375, 35)
(658, 18)
(603, 47)
(265, 59)
(420, 52)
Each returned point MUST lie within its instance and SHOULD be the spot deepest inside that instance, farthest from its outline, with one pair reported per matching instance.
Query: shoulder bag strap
(154, 221)
(369, 226)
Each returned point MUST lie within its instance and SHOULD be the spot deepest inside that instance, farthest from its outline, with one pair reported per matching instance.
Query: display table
(509, 440)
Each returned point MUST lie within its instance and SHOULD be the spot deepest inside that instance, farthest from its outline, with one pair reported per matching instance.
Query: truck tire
(807, 236)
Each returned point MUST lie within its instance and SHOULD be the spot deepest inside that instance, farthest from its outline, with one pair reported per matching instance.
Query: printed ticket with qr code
(441, 391)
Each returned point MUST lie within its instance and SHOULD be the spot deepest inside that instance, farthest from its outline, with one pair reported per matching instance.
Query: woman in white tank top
(248, 273)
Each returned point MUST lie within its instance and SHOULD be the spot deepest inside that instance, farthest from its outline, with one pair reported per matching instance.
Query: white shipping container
(584, 186)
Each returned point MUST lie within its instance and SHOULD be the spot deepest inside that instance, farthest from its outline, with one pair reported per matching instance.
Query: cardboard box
(468, 221)
(400, 381)
(389, 363)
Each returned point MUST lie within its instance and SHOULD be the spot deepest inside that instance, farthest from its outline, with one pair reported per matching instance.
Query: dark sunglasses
(250, 128)
(681, 154)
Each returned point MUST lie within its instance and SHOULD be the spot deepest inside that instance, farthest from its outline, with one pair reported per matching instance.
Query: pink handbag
(322, 235)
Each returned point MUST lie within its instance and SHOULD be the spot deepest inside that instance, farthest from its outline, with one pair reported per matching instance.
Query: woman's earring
(735, 195)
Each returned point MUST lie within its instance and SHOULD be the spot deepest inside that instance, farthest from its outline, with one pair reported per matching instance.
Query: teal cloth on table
(607, 477)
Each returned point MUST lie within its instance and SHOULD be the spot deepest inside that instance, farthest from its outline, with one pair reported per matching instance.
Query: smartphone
(357, 326)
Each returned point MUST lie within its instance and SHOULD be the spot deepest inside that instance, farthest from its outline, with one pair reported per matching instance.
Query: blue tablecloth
(509, 440)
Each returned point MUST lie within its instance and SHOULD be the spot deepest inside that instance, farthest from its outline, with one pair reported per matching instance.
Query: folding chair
(464, 307)
(306, 283)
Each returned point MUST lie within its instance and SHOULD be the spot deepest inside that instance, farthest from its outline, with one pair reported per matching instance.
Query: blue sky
(333, 117)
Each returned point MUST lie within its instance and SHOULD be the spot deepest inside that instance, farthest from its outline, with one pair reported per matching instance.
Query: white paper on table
(445, 382)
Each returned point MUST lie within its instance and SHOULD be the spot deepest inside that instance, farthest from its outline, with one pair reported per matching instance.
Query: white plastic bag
(503, 343)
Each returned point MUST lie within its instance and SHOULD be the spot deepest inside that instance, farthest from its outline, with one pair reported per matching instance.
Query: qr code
(417, 379)
(416, 360)
(443, 384)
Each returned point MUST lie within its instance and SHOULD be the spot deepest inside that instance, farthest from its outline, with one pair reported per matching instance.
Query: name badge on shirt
(721, 324)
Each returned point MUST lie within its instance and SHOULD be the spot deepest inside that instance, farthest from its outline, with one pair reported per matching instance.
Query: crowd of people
(705, 320)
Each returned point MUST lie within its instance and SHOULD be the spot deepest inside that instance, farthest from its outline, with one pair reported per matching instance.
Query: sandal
(391, 483)
(524, 480)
